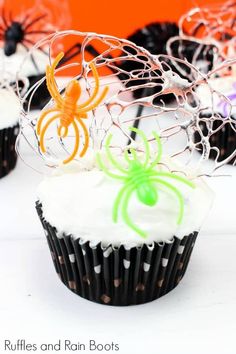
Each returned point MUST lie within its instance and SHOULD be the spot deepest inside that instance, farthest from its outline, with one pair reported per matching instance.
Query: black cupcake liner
(224, 139)
(118, 276)
(8, 156)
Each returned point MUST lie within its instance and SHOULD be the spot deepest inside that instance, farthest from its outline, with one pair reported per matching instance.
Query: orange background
(122, 17)
(115, 17)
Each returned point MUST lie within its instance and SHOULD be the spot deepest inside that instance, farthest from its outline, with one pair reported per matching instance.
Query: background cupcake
(223, 136)
(120, 221)
(20, 29)
(9, 126)
(212, 29)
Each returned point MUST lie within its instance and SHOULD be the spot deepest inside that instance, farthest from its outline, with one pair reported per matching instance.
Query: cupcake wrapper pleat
(8, 156)
(118, 276)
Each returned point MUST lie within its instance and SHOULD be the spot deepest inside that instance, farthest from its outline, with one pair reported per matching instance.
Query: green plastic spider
(142, 178)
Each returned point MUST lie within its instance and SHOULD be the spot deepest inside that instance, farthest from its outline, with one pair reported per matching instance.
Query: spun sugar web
(186, 126)
(211, 31)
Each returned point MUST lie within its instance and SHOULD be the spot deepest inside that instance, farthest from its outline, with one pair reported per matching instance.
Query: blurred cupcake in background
(20, 28)
(215, 25)
(210, 31)
(222, 86)
(212, 24)
(10, 109)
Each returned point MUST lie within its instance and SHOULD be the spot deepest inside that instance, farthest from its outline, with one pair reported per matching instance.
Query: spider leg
(225, 108)
(95, 92)
(4, 18)
(31, 56)
(51, 84)
(145, 141)
(118, 200)
(125, 215)
(29, 41)
(41, 140)
(53, 90)
(56, 62)
(34, 21)
(10, 16)
(173, 176)
(159, 151)
(133, 153)
(81, 115)
(25, 46)
(38, 32)
(25, 19)
(96, 103)
(64, 135)
(84, 107)
(103, 167)
(110, 156)
(41, 118)
(86, 136)
(178, 195)
(33, 44)
(232, 96)
(77, 140)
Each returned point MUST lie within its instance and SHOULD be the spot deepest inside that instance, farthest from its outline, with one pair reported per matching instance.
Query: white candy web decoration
(211, 30)
(139, 85)
(215, 22)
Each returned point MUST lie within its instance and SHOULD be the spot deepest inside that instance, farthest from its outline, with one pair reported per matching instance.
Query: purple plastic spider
(225, 105)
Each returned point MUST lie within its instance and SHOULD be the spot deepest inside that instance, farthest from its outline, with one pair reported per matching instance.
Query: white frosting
(80, 203)
(223, 85)
(9, 108)
(21, 62)
(172, 80)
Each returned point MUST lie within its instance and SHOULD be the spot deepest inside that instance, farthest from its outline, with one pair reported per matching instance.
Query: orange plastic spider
(67, 110)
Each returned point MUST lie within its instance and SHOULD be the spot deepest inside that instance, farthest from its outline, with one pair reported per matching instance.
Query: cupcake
(9, 126)
(118, 242)
(120, 220)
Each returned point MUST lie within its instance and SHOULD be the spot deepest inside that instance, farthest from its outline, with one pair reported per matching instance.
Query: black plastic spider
(13, 32)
